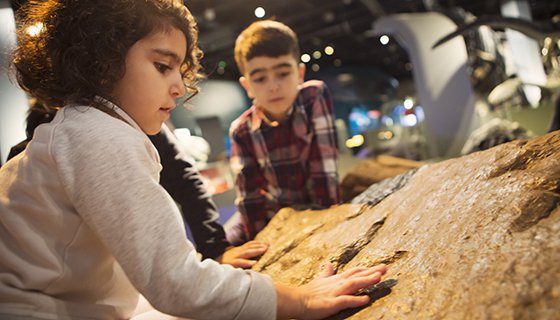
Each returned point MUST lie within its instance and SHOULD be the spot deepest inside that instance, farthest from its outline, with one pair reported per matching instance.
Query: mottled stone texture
(476, 237)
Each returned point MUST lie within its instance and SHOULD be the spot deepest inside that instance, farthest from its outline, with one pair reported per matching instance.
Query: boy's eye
(161, 67)
(284, 74)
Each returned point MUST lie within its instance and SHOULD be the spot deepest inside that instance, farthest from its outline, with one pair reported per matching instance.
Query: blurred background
(396, 92)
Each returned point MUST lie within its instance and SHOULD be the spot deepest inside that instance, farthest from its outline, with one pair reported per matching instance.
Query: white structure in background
(440, 75)
(13, 101)
(525, 52)
(196, 147)
(210, 113)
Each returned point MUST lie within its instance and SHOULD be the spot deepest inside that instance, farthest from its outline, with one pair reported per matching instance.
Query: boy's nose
(274, 85)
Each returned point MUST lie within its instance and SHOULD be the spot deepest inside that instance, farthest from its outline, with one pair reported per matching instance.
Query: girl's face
(152, 79)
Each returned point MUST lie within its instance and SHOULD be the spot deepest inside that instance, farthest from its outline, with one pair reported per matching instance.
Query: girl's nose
(178, 87)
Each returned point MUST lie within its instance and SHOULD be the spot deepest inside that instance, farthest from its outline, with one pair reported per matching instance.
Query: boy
(284, 148)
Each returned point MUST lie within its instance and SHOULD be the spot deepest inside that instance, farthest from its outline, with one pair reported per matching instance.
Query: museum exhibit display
(474, 237)
(447, 126)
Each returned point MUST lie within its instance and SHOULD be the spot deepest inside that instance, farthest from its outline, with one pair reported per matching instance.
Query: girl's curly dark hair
(79, 47)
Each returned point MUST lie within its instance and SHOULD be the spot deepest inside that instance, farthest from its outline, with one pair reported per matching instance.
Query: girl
(84, 225)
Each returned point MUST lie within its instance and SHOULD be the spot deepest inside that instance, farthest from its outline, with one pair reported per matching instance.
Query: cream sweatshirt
(85, 226)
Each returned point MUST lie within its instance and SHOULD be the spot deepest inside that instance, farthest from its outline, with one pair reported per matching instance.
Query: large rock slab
(477, 237)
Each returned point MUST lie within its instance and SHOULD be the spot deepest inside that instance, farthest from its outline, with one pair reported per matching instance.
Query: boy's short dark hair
(265, 38)
(80, 50)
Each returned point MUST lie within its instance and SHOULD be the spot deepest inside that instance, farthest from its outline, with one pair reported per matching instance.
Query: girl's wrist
(290, 302)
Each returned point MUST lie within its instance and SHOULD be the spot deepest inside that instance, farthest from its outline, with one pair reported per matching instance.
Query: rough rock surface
(372, 171)
(477, 237)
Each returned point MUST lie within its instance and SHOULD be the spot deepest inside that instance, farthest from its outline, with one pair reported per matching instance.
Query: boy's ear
(245, 84)
(301, 72)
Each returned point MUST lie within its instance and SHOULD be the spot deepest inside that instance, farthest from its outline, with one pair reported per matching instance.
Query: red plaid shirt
(288, 164)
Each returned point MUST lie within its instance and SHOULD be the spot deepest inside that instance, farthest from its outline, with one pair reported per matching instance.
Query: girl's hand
(328, 294)
(242, 256)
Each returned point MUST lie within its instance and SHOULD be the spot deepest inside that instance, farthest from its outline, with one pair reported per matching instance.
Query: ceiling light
(260, 12)
(35, 29)
(408, 103)
(384, 39)
(210, 14)
(315, 67)
(328, 17)
(317, 55)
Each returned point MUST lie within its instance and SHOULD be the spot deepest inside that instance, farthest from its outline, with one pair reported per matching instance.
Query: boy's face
(152, 79)
(273, 83)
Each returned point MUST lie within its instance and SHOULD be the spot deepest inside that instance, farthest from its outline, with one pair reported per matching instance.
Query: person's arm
(182, 181)
(323, 156)
(249, 182)
(111, 174)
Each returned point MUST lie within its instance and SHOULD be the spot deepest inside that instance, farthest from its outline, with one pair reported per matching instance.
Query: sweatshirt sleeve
(112, 180)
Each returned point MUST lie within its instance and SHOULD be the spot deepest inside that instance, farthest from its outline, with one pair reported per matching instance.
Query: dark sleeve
(17, 149)
(182, 181)
(35, 117)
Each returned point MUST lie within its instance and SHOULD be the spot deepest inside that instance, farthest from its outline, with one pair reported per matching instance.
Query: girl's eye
(162, 68)
(259, 79)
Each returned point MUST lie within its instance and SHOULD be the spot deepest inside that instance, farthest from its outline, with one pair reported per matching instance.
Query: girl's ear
(245, 84)
(301, 73)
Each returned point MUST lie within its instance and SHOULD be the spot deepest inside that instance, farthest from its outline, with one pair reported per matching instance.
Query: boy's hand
(328, 294)
(241, 257)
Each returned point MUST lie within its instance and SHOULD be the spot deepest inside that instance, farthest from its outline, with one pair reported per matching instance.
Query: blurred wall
(223, 99)
(210, 113)
(13, 101)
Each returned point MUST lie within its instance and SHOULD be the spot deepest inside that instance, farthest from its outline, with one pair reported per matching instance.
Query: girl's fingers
(251, 253)
(364, 271)
(352, 285)
(359, 271)
(254, 245)
(345, 302)
(244, 263)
